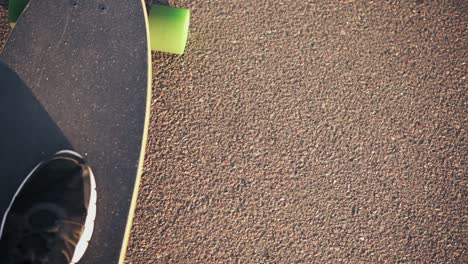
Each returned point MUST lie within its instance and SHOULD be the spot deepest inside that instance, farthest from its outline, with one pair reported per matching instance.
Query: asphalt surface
(309, 132)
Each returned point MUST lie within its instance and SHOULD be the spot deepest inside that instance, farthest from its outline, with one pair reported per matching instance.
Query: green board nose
(169, 28)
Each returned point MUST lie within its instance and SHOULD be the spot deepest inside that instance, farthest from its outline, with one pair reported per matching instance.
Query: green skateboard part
(15, 9)
(168, 28)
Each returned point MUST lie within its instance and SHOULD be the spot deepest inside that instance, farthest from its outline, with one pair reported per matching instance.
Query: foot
(51, 216)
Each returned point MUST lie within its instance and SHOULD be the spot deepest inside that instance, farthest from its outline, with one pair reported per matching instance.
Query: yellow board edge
(133, 203)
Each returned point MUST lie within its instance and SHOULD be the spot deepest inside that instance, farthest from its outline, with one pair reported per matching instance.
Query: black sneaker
(51, 216)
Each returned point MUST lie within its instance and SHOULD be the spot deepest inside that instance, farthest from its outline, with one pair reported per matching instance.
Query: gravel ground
(4, 27)
(309, 132)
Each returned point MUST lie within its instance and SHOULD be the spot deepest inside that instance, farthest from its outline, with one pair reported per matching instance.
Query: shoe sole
(82, 244)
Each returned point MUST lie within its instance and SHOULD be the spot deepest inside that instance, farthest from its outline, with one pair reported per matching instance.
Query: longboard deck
(83, 83)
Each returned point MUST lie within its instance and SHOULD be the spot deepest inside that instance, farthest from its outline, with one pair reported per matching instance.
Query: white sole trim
(71, 152)
(89, 223)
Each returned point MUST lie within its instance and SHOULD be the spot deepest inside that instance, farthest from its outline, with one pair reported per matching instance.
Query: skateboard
(77, 75)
